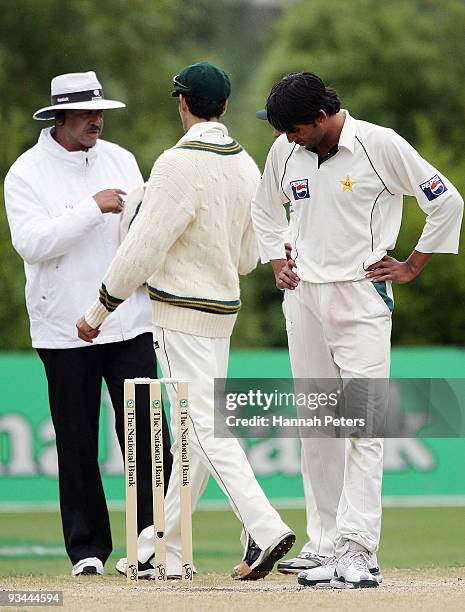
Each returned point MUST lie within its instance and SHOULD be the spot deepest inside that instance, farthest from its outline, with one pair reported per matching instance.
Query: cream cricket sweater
(191, 237)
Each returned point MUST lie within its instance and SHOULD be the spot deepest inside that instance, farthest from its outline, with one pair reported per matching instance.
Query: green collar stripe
(228, 149)
(230, 145)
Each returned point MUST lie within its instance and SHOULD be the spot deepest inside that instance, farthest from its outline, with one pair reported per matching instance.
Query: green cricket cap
(203, 80)
(262, 114)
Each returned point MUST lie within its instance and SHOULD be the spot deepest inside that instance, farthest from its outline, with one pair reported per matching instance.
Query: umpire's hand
(110, 200)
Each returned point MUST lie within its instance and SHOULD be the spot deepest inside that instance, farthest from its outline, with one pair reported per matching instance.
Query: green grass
(411, 538)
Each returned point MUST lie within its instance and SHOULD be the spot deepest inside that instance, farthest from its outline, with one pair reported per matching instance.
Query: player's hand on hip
(85, 331)
(110, 200)
(285, 276)
(390, 269)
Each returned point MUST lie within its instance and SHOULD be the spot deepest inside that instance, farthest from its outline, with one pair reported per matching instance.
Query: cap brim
(47, 111)
(176, 92)
(262, 114)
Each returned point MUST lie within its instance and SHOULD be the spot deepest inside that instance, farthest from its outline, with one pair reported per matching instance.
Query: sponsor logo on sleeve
(300, 189)
(433, 188)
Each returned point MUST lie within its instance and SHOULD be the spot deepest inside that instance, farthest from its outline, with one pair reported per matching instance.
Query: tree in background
(398, 64)
(128, 45)
(389, 61)
(135, 48)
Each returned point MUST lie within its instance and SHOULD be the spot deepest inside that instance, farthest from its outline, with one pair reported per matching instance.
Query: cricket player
(319, 546)
(345, 180)
(190, 240)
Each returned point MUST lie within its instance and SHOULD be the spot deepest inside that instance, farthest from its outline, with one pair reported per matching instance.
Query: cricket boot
(257, 563)
(303, 561)
(352, 569)
(322, 574)
(90, 566)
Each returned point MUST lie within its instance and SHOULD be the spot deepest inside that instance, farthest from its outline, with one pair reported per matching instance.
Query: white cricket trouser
(319, 541)
(341, 330)
(200, 360)
(322, 533)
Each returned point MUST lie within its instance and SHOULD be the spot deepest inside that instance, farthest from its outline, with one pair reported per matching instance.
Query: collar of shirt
(346, 138)
(206, 130)
(73, 158)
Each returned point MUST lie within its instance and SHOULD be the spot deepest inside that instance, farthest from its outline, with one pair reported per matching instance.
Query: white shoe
(352, 569)
(318, 575)
(87, 567)
(303, 561)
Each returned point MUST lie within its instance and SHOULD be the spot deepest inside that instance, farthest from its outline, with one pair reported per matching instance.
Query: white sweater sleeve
(249, 252)
(38, 236)
(167, 209)
(268, 213)
(409, 174)
(131, 209)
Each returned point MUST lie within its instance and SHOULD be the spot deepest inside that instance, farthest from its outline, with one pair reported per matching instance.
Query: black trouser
(74, 387)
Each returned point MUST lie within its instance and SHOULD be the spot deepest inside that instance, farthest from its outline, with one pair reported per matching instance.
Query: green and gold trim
(111, 303)
(202, 304)
(196, 145)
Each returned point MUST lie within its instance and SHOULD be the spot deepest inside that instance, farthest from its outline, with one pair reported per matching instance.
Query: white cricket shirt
(346, 213)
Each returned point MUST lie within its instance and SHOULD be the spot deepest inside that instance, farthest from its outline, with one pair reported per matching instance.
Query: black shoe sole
(311, 583)
(89, 570)
(275, 555)
(294, 570)
(363, 584)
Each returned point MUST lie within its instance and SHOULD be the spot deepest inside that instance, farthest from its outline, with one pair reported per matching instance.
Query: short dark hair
(298, 98)
(204, 108)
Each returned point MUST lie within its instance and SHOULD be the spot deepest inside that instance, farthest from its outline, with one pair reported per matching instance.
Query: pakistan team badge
(347, 184)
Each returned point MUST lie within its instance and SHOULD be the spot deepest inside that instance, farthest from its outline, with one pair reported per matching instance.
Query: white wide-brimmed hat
(76, 90)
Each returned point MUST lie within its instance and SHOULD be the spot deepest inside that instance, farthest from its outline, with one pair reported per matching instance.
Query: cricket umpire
(63, 198)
